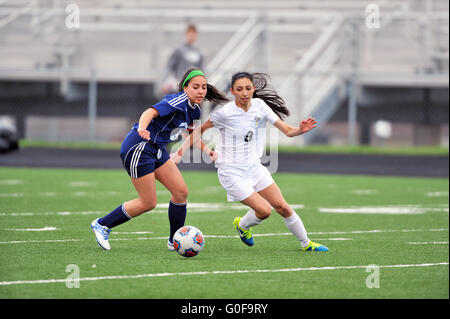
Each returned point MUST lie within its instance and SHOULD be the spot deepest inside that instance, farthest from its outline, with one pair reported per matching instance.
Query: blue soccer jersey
(176, 114)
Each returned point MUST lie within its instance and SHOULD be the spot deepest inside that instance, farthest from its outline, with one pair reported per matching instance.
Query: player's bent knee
(264, 213)
(283, 209)
(180, 196)
(148, 205)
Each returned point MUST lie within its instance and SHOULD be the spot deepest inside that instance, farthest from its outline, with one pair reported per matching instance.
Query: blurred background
(371, 72)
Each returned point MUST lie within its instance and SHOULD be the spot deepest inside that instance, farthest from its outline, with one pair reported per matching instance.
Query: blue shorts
(141, 157)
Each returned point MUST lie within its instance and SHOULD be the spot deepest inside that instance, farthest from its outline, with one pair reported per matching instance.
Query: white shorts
(241, 183)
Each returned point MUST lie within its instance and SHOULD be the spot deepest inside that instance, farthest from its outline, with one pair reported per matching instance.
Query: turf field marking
(227, 236)
(216, 272)
(133, 232)
(39, 241)
(52, 213)
(81, 194)
(408, 209)
(364, 192)
(82, 183)
(11, 181)
(48, 228)
(256, 235)
(11, 194)
(47, 194)
(436, 194)
(337, 239)
(160, 209)
(429, 243)
(378, 231)
(220, 207)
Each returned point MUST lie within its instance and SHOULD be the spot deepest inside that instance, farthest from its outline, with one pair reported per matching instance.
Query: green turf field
(398, 224)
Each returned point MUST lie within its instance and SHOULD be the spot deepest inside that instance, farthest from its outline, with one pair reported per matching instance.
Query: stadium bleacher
(317, 52)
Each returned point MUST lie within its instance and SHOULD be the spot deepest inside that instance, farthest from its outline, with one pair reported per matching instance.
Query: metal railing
(314, 76)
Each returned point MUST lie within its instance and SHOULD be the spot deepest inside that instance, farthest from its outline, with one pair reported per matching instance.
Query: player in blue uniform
(145, 158)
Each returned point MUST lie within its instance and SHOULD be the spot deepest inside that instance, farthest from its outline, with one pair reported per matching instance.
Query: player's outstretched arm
(290, 131)
(146, 117)
(195, 138)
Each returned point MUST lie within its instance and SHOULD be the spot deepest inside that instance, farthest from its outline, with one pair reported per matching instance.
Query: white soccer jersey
(243, 134)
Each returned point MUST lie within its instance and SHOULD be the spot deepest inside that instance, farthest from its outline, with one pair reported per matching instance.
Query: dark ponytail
(264, 91)
(213, 94)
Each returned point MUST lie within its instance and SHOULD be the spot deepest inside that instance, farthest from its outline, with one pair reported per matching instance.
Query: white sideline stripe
(12, 194)
(11, 181)
(155, 211)
(38, 241)
(216, 272)
(133, 232)
(255, 235)
(436, 194)
(82, 183)
(33, 229)
(383, 210)
(378, 231)
(160, 209)
(429, 242)
(148, 238)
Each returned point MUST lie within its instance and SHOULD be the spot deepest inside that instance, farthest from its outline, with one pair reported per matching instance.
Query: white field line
(82, 184)
(132, 232)
(142, 238)
(234, 236)
(102, 213)
(395, 210)
(220, 207)
(364, 192)
(437, 194)
(429, 243)
(48, 228)
(378, 231)
(39, 241)
(11, 182)
(160, 209)
(216, 272)
(12, 194)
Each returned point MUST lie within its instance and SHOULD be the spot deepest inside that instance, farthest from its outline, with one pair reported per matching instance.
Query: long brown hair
(213, 94)
(265, 91)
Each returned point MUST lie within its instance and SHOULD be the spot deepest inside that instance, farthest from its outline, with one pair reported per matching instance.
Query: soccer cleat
(101, 234)
(315, 247)
(170, 245)
(244, 234)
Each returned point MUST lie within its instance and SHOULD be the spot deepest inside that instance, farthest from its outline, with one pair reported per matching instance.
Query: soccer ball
(188, 241)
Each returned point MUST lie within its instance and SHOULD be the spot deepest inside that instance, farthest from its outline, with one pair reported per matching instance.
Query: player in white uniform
(242, 125)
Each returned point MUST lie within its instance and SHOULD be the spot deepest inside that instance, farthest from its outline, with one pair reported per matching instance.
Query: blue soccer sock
(177, 217)
(115, 218)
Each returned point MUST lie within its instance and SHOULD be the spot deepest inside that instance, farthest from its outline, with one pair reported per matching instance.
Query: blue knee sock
(115, 218)
(177, 217)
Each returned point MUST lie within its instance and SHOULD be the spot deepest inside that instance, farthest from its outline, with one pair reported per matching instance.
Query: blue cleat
(244, 234)
(315, 247)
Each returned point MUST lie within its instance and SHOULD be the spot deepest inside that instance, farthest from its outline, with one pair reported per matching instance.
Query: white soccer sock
(295, 225)
(249, 220)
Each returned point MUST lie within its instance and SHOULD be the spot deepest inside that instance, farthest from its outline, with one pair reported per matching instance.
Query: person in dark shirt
(182, 58)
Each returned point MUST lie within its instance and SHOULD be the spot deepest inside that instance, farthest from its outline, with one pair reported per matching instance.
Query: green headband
(192, 74)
